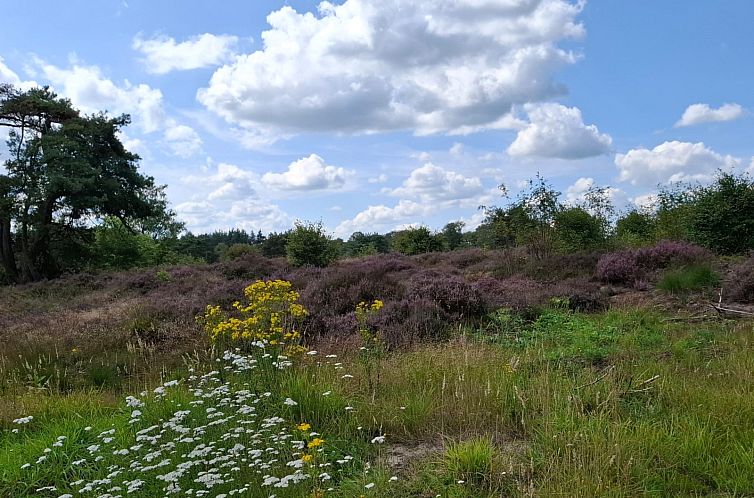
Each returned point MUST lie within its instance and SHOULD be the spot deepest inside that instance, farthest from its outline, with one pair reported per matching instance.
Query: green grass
(621, 403)
(689, 279)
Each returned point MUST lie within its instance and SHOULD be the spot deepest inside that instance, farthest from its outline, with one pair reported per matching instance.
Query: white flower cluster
(219, 438)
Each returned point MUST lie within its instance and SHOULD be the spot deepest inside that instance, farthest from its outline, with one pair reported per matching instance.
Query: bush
(577, 229)
(452, 294)
(629, 266)
(415, 241)
(309, 245)
(618, 268)
(741, 286)
(670, 253)
(692, 278)
(723, 215)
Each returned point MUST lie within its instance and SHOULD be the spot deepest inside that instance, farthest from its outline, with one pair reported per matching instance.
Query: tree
(274, 245)
(310, 245)
(415, 241)
(635, 228)
(577, 229)
(65, 171)
(361, 244)
(452, 235)
(722, 214)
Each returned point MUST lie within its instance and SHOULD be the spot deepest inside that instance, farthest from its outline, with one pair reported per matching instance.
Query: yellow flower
(315, 442)
(307, 458)
(303, 426)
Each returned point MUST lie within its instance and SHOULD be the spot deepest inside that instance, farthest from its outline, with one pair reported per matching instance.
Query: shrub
(741, 286)
(412, 320)
(618, 268)
(722, 217)
(309, 245)
(635, 228)
(415, 241)
(669, 253)
(577, 229)
(692, 278)
(452, 294)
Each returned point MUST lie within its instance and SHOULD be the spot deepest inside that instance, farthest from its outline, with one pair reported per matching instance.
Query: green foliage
(235, 251)
(417, 240)
(309, 245)
(64, 170)
(275, 245)
(211, 246)
(635, 228)
(578, 230)
(116, 246)
(722, 218)
(361, 244)
(452, 235)
(470, 461)
(691, 278)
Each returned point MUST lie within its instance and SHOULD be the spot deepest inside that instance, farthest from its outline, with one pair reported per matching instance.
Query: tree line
(72, 198)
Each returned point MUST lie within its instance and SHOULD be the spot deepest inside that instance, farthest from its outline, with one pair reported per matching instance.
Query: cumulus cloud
(228, 182)
(250, 214)
(558, 131)
(182, 140)
(7, 75)
(163, 54)
(91, 92)
(703, 113)
(376, 65)
(383, 218)
(308, 173)
(671, 162)
(575, 194)
(431, 183)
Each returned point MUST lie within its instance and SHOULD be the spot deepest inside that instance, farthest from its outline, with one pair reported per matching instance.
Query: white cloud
(456, 149)
(258, 215)
(229, 182)
(703, 113)
(182, 140)
(162, 54)
(7, 75)
(250, 214)
(671, 162)
(575, 194)
(645, 202)
(383, 218)
(375, 65)
(431, 183)
(558, 131)
(91, 92)
(308, 173)
(381, 178)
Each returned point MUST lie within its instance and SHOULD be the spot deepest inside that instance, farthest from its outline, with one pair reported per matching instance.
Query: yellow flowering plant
(271, 315)
(365, 311)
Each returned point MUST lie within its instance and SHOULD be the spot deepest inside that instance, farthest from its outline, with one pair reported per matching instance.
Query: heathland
(465, 373)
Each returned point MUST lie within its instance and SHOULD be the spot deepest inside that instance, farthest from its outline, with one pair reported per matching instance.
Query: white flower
(393, 479)
(289, 402)
(23, 420)
(369, 486)
(378, 440)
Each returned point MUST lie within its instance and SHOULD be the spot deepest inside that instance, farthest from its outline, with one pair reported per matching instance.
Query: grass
(555, 403)
(689, 279)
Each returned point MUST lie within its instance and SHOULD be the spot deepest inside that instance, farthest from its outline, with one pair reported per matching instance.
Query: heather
(464, 373)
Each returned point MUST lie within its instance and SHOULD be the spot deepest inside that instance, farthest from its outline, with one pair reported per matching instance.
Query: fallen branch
(607, 371)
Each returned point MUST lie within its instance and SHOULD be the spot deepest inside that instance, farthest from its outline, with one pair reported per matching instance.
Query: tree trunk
(6, 250)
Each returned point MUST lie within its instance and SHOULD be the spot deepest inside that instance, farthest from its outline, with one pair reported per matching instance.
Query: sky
(374, 115)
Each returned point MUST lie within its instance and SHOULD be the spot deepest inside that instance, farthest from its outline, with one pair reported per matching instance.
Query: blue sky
(376, 114)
